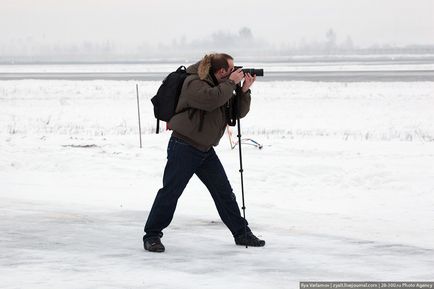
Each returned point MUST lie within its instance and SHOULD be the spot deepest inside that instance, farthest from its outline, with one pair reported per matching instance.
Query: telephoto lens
(252, 71)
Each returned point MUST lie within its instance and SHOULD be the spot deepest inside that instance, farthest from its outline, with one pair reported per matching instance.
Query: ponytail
(212, 63)
(205, 66)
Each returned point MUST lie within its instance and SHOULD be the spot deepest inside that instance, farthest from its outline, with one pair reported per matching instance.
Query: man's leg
(213, 175)
(182, 161)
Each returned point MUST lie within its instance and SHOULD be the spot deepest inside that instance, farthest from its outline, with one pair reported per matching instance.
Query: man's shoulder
(194, 78)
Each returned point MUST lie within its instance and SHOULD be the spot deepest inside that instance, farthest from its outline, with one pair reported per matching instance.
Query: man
(199, 124)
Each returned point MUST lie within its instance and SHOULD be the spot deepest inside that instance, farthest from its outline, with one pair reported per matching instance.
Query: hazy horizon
(131, 23)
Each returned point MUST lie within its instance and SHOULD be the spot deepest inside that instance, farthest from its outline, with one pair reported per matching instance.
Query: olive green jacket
(203, 99)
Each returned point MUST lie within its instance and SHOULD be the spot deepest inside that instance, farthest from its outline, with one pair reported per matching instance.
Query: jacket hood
(201, 69)
(193, 69)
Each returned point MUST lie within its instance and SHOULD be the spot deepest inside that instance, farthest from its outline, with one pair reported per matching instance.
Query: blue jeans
(184, 160)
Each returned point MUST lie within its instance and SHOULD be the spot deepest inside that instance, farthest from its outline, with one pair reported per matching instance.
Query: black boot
(249, 240)
(153, 244)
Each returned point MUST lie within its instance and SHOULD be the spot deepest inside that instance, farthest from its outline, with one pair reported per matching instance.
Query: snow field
(342, 189)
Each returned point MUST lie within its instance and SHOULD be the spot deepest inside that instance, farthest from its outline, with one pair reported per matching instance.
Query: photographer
(199, 124)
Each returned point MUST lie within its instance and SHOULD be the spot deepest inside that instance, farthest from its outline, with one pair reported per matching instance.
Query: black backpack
(166, 99)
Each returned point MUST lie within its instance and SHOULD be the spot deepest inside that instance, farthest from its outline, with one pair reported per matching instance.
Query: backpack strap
(182, 67)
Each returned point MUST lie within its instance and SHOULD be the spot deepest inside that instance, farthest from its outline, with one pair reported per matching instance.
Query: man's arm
(245, 103)
(245, 97)
(204, 97)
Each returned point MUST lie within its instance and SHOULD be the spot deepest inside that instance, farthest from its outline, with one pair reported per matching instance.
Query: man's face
(225, 73)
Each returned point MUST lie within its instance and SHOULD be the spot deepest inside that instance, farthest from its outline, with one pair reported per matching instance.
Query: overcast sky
(132, 22)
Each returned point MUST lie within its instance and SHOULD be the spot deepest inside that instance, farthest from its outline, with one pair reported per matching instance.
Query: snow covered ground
(342, 190)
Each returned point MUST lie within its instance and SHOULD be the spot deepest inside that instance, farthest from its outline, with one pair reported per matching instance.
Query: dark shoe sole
(260, 244)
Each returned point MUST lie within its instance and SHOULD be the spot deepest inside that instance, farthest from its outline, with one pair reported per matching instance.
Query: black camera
(252, 71)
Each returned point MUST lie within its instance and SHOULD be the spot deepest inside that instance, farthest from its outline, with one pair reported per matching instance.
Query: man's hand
(248, 81)
(237, 76)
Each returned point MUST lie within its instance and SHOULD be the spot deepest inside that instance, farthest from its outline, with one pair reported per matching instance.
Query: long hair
(212, 63)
